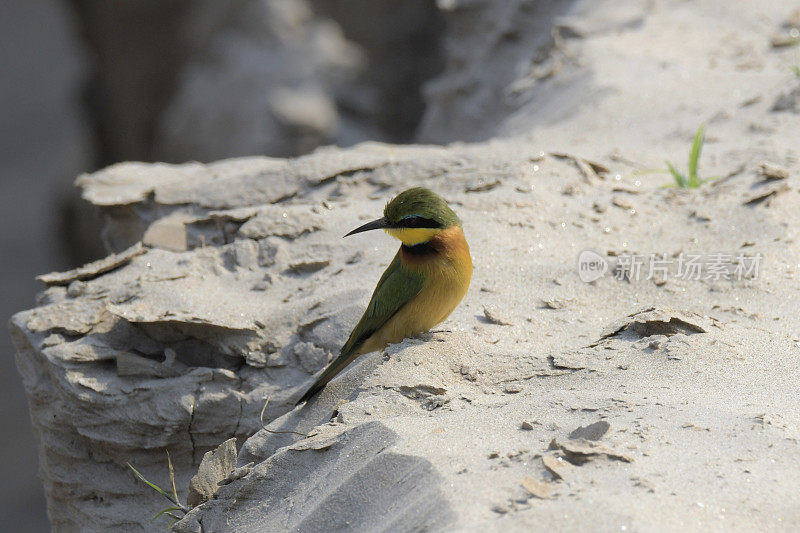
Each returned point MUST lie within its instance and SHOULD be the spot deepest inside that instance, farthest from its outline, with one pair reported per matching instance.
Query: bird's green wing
(396, 287)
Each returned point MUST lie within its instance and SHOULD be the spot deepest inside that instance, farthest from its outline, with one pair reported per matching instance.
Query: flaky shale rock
(232, 294)
(233, 288)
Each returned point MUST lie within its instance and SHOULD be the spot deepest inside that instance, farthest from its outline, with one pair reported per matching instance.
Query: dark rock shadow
(356, 484)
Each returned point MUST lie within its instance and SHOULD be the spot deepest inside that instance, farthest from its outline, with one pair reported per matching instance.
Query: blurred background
(88, 83)
(44, 142)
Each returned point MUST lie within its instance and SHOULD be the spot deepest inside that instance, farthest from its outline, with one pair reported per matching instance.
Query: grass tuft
(691, 179)
(177, 506)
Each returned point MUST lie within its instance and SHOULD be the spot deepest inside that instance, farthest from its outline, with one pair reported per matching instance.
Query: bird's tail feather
(333, 369)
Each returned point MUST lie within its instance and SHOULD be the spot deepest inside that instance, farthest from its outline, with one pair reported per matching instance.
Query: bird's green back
(397, 287)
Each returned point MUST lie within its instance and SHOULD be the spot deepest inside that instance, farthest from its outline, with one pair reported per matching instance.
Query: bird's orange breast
(447, 271)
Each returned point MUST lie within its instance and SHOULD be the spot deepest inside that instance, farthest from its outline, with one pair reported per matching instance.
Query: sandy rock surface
(640, 399)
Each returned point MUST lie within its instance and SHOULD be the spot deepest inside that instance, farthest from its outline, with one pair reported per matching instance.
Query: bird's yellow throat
(412, 236)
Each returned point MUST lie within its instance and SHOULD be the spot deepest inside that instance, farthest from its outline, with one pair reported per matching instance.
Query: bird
(426, 280)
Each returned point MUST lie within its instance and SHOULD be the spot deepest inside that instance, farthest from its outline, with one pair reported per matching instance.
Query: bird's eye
(417, 221)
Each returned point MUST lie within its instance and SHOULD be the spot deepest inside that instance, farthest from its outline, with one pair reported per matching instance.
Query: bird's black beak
(381, 223)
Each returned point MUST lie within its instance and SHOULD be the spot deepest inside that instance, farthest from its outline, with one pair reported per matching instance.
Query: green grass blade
(151, 485)
(172, 478)
(694, 156)
(680, 179)
(646, 171)
(166, 511)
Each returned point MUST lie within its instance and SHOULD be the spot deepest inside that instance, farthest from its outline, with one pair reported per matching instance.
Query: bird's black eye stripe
(416, 221)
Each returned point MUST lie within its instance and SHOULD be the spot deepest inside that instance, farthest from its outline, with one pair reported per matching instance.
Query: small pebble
(76, 288)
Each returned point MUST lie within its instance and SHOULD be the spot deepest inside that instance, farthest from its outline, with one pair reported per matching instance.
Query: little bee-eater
(426, 280)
